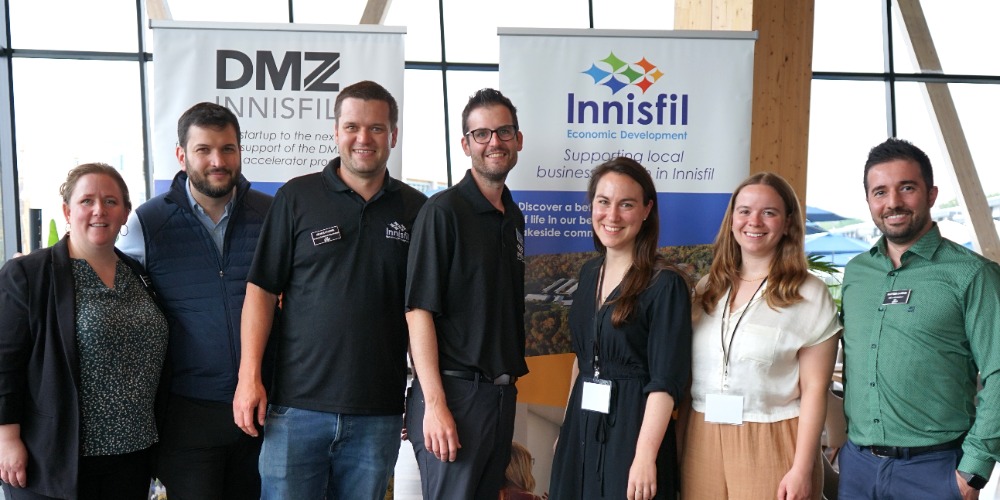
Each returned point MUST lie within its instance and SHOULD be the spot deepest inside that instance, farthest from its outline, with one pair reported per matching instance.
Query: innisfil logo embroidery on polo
(616, 74)
(397, 231)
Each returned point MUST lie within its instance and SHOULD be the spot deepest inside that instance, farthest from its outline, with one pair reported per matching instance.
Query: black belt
(912, 451)
(480, 378)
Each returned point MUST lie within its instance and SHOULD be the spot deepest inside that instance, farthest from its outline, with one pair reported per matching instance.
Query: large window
(97, 26)
(51, 139)
(81, 68)
(867, 86)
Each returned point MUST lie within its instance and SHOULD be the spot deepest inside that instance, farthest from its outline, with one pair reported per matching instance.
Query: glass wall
(867, 85)
(80, 71)
(62, 121)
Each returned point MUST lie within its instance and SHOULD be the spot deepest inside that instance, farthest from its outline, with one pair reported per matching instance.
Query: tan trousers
(739, 462)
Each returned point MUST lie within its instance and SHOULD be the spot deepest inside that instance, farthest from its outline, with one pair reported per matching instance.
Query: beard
(493, 172)
(901, 235)
(201, 183)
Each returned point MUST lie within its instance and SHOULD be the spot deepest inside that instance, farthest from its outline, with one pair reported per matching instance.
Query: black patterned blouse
(122, 339)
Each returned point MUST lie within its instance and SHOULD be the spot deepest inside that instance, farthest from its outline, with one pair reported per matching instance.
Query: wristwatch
(975, 481)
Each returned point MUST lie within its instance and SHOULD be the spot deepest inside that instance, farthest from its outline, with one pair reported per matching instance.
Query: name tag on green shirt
(896, 297)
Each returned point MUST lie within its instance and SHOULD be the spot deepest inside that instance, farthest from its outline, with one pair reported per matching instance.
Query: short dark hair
(74, 175)
(483, 98)
(206, 114)
(899, 149)
(367, 90)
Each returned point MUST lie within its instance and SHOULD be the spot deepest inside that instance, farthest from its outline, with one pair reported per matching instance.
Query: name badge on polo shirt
(324, 236)
(596, 395)
(724, 409)
(896, 297)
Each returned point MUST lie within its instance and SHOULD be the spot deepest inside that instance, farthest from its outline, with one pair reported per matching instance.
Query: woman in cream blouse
(762, 356)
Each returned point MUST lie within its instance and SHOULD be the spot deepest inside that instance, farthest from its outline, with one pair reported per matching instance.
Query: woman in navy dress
(631, 330)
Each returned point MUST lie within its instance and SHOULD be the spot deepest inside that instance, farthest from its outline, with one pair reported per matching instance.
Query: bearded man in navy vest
(197, 241)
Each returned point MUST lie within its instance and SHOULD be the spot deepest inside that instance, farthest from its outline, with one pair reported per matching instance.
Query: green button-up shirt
(911, 366)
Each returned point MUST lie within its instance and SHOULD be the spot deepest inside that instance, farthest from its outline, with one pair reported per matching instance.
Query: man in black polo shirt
(334, 246)
(465, 301)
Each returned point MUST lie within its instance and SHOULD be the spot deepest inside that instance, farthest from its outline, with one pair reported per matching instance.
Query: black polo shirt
(467, 268)
(341, 264)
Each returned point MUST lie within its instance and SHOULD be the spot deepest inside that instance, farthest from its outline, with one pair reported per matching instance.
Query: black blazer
(40, 366)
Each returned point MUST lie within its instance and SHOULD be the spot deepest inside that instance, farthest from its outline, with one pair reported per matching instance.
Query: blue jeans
(311, 454)
(864, 476)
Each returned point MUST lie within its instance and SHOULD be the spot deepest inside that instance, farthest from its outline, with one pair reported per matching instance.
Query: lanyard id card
(596, 395)
(724, 409)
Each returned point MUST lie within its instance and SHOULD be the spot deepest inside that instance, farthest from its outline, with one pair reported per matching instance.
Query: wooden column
(946, 123)
(779, 138)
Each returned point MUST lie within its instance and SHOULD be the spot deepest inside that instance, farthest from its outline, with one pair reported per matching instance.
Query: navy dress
(652, 352)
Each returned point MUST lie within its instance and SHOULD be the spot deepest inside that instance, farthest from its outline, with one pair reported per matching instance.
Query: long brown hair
(789, 268)
(645, 259)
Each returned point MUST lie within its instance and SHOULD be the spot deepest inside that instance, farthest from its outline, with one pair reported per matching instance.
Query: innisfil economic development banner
(281, 81)
(678, 102)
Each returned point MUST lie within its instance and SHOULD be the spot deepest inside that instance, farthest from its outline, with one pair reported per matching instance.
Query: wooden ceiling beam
(158, 10)
(375, 12)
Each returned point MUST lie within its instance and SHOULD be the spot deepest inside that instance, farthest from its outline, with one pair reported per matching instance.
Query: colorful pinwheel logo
(642, 74)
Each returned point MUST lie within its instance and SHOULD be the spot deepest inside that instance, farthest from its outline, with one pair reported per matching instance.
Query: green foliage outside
(53, 233)
(818, 264)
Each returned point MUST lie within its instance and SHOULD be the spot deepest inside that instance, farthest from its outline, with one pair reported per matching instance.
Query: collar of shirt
(201, 211)
(924, 247)
(217, 230)
(470, 191)
(337, 184)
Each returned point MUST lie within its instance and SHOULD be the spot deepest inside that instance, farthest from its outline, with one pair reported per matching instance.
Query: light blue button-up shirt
(133, 243)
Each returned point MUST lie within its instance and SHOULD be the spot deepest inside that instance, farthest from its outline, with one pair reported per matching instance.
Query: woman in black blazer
(82, 345)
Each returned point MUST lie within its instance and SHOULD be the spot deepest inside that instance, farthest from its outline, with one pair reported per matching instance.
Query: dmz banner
(281, 81)
(678, 102)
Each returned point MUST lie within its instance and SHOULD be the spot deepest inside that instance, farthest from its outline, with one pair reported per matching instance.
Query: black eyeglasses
(485, 135)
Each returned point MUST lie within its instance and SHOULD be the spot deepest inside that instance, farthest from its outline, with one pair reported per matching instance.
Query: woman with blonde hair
(520, 483)
(763, 353)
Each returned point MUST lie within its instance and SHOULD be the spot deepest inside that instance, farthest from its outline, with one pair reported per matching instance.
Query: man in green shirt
(921, 315)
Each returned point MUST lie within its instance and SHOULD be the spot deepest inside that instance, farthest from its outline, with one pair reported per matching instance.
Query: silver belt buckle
(502, 380)
(890, 451)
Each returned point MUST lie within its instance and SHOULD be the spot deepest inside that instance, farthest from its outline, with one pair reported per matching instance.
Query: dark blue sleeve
(669, 343)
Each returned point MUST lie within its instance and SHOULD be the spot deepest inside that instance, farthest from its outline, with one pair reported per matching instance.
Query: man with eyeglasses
(465, 302)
